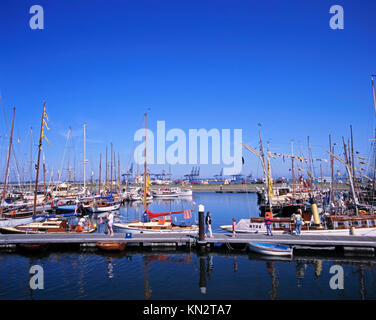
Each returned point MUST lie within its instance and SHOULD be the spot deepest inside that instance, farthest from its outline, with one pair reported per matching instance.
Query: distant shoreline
(225, 188)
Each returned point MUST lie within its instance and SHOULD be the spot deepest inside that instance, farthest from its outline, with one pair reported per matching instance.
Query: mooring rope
(231, 248)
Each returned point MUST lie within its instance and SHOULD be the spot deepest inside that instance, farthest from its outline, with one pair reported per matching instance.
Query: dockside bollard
(201, 226)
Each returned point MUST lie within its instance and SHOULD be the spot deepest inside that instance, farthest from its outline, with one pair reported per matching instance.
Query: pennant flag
(45, 125)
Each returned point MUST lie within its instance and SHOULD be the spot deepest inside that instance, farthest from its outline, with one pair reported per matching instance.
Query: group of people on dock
(296, 218)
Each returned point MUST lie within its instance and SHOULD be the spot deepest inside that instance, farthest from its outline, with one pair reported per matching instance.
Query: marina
(176, 150)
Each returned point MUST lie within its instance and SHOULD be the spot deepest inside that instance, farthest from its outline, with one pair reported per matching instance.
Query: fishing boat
(270, 249)
(111, 246)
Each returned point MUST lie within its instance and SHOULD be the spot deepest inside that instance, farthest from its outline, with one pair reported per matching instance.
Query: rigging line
(62, 161)
(7, 128)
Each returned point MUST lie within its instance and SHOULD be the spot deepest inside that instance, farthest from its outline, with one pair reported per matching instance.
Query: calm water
(166, 274)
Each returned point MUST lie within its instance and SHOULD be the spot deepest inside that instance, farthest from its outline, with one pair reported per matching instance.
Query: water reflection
(110, 268)
(202, 281)
(270, 268)
(176, 274)
(301, 268)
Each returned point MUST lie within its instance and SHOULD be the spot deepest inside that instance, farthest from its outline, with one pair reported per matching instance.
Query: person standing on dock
(298, 221)
(208, 225)
(110, 219)
(233, 227)
(268, 224)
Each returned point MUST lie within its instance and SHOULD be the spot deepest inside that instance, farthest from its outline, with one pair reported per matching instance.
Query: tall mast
(111, 167)
(106, 170)
(69, 136)
(37, 167)
(374, 143)
(352, 153)
(8, 158)
(373, 91)
(292, 169)
(270, 186)
(31, 158)
(331, 170)
(119, 170)
(44, 175)
(145, 168)
(321, 174)
(348, 168)
(310, 164)
(85, 157)
(100, 174)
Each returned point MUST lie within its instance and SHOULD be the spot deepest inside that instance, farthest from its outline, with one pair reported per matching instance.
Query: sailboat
(360, 219)
(155, 222)
(11, 217)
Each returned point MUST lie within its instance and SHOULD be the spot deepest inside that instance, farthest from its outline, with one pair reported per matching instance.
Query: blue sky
(195, 64)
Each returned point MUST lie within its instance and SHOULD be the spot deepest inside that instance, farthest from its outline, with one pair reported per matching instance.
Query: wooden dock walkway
(184, 239)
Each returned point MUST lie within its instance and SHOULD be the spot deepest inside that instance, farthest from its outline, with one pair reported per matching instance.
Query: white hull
(269, 252)
(17, 222)
(165, 196)
(124, 227)
(244, 226)
(103, 209)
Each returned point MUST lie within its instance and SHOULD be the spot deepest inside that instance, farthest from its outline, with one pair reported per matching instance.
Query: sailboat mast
(374, 143)
(352, 153)
(37, 167)
(44, 176)
(145, 167)
(373, 91)
(111, 167)
(331, 170)
(31, 158)
(350, 176)
(292, 169)
(69, 136)
(106, 169)
(8, 158)
(119, 170)
(85, 158)
(100, 173)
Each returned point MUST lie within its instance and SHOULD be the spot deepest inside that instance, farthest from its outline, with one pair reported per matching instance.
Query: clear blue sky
(195, 64)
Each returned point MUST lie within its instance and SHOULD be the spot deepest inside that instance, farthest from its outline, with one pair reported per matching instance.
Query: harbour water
(167, 273)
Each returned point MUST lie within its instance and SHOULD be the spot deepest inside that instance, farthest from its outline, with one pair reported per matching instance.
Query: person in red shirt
(268, 223)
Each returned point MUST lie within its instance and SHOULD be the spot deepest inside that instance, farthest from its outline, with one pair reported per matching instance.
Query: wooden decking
(176, 238)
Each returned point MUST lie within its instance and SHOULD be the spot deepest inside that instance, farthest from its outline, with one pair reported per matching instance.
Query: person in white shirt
(110, 221)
